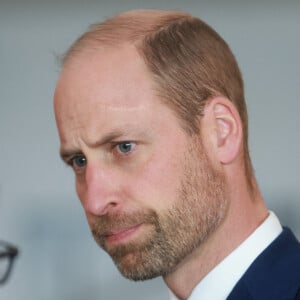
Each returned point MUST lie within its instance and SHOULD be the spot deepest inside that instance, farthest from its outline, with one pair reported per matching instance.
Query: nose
(99, 192)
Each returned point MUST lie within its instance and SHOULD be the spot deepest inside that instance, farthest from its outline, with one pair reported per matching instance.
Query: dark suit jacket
(275, 273)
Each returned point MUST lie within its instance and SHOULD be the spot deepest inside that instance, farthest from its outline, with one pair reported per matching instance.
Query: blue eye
(125, 147)
(79, 161)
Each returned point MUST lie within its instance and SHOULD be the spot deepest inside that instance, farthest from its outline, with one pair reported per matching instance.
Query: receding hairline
(124, 28)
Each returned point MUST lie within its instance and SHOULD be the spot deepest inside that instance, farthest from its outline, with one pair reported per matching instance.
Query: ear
(225, 128)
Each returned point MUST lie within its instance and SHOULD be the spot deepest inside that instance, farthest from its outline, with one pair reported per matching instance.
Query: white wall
(39, 210)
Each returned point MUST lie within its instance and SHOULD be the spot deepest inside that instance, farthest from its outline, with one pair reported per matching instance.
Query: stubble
(175, 233)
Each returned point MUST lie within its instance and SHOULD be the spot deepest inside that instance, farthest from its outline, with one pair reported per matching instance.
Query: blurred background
(39, 210)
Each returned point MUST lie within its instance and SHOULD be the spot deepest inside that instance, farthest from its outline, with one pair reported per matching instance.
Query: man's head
(188, 61)
(149, 108)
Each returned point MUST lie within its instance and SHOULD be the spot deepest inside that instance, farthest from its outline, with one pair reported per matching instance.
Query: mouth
(121, 235)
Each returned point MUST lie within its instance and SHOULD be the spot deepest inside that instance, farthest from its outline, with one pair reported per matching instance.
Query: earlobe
(228, 129)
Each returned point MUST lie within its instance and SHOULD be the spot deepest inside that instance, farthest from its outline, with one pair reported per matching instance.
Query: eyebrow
(65, 154)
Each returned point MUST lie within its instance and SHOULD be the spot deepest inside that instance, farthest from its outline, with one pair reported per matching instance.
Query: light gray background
(39, 210)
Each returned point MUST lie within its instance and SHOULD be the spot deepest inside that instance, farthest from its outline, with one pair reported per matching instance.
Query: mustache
(109, 223)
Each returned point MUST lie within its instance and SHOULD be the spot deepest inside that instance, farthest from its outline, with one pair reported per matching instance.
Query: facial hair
(172, 234)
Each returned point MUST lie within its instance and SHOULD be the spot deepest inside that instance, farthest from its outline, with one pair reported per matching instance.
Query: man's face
(149, 192)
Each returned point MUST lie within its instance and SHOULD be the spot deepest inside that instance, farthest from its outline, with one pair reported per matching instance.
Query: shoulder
(275, 273)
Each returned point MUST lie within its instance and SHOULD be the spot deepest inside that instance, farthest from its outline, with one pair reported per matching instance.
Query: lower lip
(122, 236)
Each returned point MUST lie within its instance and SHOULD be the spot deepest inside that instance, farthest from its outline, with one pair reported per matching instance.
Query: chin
(135, 267)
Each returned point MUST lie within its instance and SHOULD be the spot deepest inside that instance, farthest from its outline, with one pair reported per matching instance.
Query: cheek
(156, 184)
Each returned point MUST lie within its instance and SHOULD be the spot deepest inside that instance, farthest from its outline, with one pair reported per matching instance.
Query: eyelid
(70, 160)
(118, 143)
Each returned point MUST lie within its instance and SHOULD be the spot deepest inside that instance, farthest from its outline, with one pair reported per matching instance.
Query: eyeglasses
(8, 253)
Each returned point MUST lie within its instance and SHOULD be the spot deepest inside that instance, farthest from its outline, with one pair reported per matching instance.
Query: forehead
(112, 78)
(98, 90)
(111, 71)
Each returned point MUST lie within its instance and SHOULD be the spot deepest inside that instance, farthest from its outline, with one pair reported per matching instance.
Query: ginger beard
(174, 233)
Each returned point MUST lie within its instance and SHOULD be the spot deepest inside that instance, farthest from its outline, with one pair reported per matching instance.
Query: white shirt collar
(236, 263)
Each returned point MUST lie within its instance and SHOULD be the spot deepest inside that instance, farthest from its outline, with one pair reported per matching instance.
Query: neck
(245, 213)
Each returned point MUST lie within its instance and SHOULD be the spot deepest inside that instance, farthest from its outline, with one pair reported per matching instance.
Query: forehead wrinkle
(79, 114)
(74, 105)
(116, 134)
(94, 135)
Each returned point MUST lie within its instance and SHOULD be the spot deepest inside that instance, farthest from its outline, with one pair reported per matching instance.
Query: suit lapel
(275, 274)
